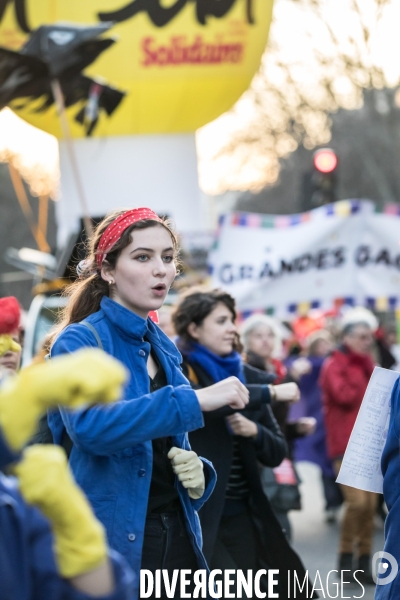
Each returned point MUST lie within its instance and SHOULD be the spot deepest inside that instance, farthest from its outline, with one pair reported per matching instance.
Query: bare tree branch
(302, 82)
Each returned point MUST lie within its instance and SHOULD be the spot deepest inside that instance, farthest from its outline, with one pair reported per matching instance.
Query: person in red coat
(344, 379)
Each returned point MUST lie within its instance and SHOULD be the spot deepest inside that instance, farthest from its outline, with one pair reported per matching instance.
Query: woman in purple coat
(312, 448)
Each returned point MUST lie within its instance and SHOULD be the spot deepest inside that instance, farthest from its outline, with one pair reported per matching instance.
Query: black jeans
(167, 546)
(236, 546)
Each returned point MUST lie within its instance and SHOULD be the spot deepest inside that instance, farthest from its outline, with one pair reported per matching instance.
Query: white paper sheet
(361, 466)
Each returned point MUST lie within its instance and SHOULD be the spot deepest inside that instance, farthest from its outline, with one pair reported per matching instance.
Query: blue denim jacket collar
(124, 320)
(135, 328)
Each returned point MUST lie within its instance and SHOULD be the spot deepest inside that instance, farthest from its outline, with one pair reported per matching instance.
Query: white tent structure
(159, 171)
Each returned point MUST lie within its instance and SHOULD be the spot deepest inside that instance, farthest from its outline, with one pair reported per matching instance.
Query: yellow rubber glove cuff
(46, 482)
(86, 376)
(7, 344)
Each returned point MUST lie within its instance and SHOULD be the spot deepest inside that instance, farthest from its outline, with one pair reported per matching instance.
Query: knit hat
(10, 314)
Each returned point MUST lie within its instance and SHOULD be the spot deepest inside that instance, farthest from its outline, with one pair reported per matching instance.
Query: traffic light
(320, 184)
(325, 161)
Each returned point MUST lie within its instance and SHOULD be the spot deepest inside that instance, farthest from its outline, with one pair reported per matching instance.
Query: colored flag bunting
(302, 308)
(343, 208)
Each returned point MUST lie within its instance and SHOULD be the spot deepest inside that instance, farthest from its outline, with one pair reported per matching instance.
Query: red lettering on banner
(181, 52)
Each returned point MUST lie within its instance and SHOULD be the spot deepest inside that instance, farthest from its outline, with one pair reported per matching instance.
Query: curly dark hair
(194, 306)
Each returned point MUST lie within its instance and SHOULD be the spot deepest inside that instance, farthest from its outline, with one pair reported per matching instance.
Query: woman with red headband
(133, 459)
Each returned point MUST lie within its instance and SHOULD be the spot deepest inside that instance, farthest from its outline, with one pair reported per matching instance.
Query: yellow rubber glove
(46, 481)
(189, 469)
(7, 344)
(86, 376)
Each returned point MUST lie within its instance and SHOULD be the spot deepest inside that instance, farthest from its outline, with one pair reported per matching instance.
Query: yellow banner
(182, 63)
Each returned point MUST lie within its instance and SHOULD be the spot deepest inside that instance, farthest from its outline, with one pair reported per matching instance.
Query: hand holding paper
(361, 466)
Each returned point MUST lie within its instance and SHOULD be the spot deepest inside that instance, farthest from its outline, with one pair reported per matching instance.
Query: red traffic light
(325, 160)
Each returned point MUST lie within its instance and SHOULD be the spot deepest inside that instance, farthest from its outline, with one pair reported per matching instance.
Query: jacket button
(131, 537)
(142, 472)
(142, 353)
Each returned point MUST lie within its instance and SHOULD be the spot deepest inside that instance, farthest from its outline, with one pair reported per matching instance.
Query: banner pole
(59, 99)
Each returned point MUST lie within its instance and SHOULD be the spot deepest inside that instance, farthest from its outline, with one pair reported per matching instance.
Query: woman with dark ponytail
(133, 458)
(240, 530)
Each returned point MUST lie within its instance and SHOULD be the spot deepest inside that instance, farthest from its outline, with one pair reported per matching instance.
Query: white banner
(341, 251)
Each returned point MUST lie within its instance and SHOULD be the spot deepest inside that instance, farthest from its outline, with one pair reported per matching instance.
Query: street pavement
(317, 542)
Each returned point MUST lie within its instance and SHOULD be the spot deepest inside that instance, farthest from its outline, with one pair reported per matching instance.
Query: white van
(41, 317)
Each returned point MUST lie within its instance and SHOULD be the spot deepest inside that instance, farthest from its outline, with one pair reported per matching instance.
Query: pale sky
(33, 152)
(296, 32)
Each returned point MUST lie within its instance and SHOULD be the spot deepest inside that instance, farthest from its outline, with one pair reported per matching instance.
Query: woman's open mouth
(159, 290)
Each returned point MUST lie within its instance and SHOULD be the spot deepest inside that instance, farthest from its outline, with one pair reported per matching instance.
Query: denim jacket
(28, 569)
(390, 465)
(112, 450)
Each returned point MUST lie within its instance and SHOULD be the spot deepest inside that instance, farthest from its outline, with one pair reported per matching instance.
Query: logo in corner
(381, 561)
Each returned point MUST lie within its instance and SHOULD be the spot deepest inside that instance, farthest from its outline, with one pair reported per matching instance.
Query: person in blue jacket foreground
(388, 582)
(59, 552)
(133, 459)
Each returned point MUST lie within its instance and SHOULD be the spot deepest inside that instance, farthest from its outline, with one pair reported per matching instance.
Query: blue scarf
(218, 367)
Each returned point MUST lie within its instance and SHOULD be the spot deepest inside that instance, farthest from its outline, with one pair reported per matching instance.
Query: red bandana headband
(114, 231)
(117, 227)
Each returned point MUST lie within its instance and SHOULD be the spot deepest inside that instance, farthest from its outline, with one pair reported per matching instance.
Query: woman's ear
(193, 330)
(107, 273)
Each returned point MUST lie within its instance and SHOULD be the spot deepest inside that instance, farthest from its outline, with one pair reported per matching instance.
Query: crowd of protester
(186, 457)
